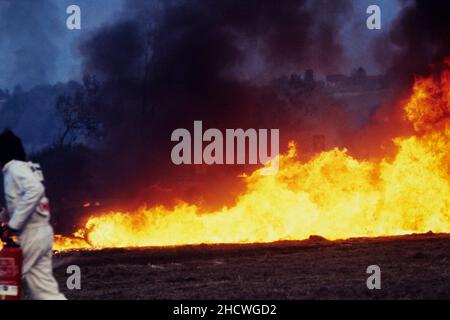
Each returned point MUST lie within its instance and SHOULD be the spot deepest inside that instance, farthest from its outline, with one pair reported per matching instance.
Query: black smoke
(164, 64)
(418, 38)
(168, 63)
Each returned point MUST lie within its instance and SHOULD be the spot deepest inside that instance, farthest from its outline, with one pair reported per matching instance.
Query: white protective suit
(29, 214)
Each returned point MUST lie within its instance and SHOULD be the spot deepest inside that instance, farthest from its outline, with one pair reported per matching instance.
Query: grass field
(412, 267)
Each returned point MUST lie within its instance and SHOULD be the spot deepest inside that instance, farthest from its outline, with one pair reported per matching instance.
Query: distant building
(359, 74)
(334, 80)
(296, 84)
(358, 81)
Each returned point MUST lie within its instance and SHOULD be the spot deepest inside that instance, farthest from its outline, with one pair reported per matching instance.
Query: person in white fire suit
(29, 216)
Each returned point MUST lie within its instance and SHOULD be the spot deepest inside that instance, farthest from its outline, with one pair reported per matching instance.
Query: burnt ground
(412, 267)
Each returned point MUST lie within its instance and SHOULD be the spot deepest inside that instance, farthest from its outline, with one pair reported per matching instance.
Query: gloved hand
(6, 232)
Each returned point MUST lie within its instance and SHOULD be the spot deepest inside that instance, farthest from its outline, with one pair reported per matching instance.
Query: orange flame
(333, 194)
(429, 103)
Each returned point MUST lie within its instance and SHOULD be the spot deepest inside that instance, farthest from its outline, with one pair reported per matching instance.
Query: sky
(37, 48)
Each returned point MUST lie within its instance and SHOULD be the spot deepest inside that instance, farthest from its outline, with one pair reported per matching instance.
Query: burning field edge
(413, 266)
(313, 240)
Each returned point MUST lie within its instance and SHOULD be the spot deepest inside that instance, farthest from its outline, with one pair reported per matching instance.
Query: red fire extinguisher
(10, 271)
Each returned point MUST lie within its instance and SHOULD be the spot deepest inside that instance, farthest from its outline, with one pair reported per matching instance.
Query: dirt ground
(412, 267)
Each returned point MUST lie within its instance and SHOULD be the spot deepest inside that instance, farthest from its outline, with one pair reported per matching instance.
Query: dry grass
(413, 267)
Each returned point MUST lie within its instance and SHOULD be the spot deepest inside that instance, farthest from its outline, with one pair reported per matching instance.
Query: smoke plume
(168, 63)
(418, 38)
